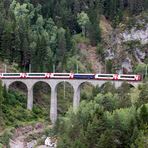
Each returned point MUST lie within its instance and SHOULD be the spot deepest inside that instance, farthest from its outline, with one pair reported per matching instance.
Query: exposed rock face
(106, 28)
(109, 54)
(134, 34)
(139, 55)
(31, 144)
(126, 65)
(124, 46)
(21, 134)
(91, 57)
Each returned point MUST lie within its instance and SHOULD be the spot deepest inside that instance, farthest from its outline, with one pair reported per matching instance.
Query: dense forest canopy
(111, 118)
(39, 32)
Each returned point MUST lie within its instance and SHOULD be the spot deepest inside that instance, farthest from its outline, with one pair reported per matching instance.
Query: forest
(113, 118)
(40, 32)
(50, 36)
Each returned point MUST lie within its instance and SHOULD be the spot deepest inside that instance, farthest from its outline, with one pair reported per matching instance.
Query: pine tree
(144, 114)
(61, 50)
(83, 21)
(143, 96)
(68, 40)
(5, 93)
(1, 102)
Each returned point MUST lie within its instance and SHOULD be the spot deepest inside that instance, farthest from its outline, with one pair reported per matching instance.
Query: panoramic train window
(11, 74)
(36, 74)
(127, 77)
(84, 74)
(105, 76)
(61, 74)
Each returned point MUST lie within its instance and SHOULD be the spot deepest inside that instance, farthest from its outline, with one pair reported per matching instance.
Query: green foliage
(109, 138)
(143, 96)
(1, 104)
(40, 32)
(79, 120)
(100, 50)
(61, 49)
(134, 95)
(83, 20)
(104, 122)
(86, 91)
(140, 68)
(108, 87)
(78, 38)
(143, 114)
(124, 95)
(1, 145)
(75, 64)
(141, 140)
(94, 33)
(64, 96)
(5, 137)
(13, 109)
(121, 118)
(108, 101)
(109, 66)
(1, 94)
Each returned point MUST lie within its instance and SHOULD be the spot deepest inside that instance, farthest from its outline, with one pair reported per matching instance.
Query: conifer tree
(61, 44)
(83, 21)
(143, 96)
(144, 114)
(1, 102)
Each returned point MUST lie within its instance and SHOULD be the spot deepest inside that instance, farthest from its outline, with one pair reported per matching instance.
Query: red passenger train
(126, 77)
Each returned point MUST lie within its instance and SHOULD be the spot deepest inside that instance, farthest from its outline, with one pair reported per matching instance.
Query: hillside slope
(91, 57)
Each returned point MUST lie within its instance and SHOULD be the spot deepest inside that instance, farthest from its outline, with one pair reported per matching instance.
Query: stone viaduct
(53, 85)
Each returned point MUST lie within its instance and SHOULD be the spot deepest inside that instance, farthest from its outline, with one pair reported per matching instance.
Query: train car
(37, 75)
(106, 76)
(11, 75)
(84, 76)
(126, 77)
(61, 75)
(129, 77)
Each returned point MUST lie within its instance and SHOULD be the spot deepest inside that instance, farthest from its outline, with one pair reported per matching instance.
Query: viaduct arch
(53, 83)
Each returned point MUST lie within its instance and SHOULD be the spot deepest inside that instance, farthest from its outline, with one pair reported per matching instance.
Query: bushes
(105, 121)
(4, 138)
(78, 38)
(15, 112)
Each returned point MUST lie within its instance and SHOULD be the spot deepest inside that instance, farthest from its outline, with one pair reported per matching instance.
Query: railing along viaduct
(53, 85)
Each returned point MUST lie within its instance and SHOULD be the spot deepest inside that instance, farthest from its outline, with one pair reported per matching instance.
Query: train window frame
(36, 75)
(63, 75)
(127, 77)
(105, 76)
(85, 74)
(11, 74)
